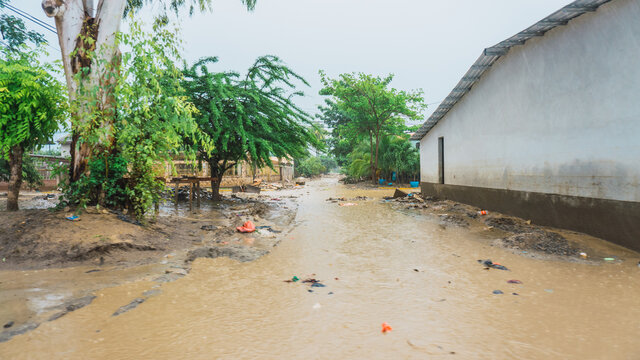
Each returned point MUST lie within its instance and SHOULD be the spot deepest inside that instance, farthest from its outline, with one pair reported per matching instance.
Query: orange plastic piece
(247, 227)
(386, 328)
(483, 212)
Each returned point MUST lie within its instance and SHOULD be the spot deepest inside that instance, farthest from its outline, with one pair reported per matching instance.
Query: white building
(546, 125)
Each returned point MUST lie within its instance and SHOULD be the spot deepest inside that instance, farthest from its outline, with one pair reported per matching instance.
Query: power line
(32, 18)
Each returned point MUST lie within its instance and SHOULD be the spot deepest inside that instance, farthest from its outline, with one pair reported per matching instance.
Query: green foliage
(14, 32)
(310, 167)
(248, 118)
(398, 155)
(329, 162)
(104, 184)
(32, 102)
(364, 107)
(152, 117)
(29, 172)
(176, 5)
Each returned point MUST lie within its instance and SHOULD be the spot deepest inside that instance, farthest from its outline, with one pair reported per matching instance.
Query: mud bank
(514, 234)
(42, 238)
(73, 260)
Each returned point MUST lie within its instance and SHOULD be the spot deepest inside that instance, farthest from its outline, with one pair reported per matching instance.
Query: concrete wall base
(611, 220)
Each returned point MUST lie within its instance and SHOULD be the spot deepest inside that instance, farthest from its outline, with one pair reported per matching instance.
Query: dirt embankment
(32, 239)
(515, 234)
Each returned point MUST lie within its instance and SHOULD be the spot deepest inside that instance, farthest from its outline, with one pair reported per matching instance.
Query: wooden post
(190, 195)
(198, 191)
(177, 188)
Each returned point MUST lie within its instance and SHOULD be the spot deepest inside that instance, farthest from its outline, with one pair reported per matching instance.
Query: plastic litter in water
(73, 218)
(583, 255)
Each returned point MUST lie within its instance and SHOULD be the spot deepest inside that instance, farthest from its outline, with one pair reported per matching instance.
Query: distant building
(546, 125)
(65, 146)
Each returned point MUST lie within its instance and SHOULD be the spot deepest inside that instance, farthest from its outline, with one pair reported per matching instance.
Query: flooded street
(367, 256)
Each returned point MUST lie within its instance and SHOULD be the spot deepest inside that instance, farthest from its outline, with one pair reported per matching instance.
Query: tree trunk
(15, 179)
(84, 29)
(375, 165)
(373, 171)
(214, 168)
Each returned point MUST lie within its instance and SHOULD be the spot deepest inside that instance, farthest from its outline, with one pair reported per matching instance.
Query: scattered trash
(267, 227)
(209, 227)
(8, 325)
(515, 294)
(490, 264)
(310, 280)
(317, 284)
(583, 255)
(293, 279)
(483, 212)
(416, 270)
(609, 259)
(310, 290)
(550, 291)
(339, 278)
(73, 218)
(4, 260)
(247, 227)
(399, 194)
(497, 292)
(317, 306)
(386, 328)
(348, 204)
(336, 199)
(514, 282)
(330, 293)
(92, 271)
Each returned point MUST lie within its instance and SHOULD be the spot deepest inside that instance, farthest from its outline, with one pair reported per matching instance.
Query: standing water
(378, 265)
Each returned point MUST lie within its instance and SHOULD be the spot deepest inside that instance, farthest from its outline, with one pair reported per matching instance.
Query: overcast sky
(427, 44)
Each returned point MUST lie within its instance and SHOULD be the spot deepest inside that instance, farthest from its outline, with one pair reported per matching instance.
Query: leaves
(32, 102)
(248, 118)
(364, 107)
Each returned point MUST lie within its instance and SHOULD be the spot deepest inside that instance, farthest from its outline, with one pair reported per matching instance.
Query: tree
(336, 120)
(87, 35)
(249, 118)
(152, 117)
(373, 109)
(14, 33)
(32, 105)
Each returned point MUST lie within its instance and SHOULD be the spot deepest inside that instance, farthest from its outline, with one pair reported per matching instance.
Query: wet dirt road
(229, 310)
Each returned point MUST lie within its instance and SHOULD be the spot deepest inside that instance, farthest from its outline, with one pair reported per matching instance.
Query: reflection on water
(378, 265)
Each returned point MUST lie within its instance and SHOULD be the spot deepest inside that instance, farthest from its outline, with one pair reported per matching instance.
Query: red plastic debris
(386, 328)
(247, 227)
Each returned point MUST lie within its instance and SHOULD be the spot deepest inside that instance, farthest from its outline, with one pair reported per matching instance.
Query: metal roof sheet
(491, 54)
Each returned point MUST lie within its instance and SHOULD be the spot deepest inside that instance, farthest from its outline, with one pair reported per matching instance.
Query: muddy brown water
(229, 310)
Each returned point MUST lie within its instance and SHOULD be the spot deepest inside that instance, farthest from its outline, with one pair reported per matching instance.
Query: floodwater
(366, 256)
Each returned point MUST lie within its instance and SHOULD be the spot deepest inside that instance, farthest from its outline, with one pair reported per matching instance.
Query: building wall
(559, 115)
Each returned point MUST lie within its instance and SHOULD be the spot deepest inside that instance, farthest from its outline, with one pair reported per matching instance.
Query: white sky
(427, 44)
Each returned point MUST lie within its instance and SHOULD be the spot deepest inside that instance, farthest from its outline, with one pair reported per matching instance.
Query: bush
(310, 167)
(329, 163)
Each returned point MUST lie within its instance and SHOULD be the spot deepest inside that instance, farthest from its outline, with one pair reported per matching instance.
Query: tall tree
(32, 105)
(373, 108)
(87, 36)
(248, 118)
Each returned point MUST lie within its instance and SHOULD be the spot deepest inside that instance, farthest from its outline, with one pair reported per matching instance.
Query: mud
(41, 238)
(518, 235)
(398, 267)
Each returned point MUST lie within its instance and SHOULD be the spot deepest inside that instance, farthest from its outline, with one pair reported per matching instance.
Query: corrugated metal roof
(491, 54)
